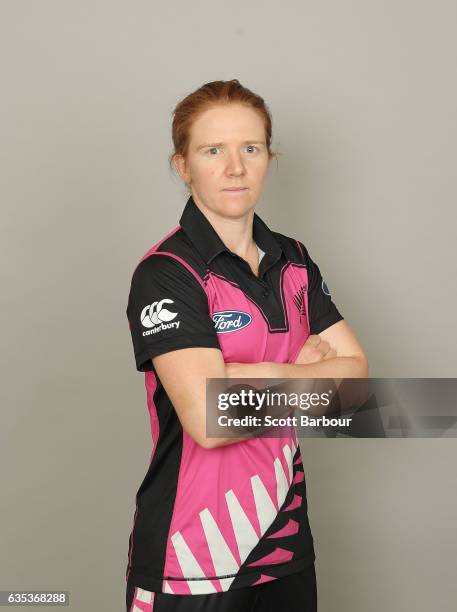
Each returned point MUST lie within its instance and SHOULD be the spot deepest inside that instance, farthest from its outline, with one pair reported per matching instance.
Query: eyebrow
(220, 144)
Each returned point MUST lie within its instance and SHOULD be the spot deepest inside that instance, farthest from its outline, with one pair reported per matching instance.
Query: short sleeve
(167, 310)
(322, 311)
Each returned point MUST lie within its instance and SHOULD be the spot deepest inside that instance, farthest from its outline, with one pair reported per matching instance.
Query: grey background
(363, 98)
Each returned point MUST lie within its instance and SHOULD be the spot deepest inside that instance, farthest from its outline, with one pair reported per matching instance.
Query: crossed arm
(335, 353)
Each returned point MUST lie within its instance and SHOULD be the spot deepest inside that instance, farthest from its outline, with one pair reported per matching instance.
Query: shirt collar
(207, 241)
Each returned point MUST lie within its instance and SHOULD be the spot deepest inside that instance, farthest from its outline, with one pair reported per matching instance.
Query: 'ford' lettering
(227, 321)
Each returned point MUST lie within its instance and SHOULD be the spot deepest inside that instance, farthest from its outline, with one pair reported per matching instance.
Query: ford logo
(227, 321)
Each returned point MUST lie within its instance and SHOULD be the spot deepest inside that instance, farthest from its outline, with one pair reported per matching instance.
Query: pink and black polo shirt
(213, 520)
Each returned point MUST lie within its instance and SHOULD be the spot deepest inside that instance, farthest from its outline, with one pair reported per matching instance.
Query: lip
(235, 189)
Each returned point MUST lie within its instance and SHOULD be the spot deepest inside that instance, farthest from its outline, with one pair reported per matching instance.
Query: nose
(235, 164)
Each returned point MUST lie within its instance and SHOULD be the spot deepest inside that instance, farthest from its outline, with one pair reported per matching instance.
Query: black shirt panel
(322, 311)
(167, 310)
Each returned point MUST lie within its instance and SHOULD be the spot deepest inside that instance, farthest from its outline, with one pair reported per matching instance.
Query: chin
(236, 206)
(236, 209)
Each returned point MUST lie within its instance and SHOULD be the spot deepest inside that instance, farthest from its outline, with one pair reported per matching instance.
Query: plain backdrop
(363, 97)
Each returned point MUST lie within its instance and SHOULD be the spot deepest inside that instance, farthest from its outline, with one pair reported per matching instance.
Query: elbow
(206, 443)
(201, 440)
(363, 368)
(196, 431)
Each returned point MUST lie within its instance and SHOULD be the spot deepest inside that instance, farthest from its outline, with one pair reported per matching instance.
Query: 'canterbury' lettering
(161, 327)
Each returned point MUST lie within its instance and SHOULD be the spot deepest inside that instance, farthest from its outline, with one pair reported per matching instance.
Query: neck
(235, 233)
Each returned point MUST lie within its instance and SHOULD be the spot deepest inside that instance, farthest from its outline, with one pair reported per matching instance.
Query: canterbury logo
(156, 317)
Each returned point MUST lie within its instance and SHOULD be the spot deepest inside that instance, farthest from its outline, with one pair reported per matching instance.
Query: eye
(252, 147)
(212, 149)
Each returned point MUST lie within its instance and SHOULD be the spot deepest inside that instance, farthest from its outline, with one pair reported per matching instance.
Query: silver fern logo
(299, 301)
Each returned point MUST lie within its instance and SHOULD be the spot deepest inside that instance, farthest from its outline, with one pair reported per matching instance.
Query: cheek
(208, 171)
(260, 171)
(204, 175)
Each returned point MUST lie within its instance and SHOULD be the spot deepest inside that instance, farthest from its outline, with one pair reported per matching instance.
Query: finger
(314, 340)
(323, 347)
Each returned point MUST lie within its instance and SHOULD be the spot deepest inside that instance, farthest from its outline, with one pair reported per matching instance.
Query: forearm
(337, 367)
(318, 377)
(225, 441)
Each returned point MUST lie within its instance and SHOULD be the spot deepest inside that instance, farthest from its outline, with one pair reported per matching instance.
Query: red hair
(208, 96)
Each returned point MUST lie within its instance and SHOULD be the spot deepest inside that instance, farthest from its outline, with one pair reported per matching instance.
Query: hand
(315, 349)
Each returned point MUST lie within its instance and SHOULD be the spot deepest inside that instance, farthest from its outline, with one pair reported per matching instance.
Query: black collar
(207, 241)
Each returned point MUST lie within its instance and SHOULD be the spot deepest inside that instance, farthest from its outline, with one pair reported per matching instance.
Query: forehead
(227, 123)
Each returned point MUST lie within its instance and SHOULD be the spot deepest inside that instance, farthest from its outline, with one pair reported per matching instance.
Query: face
(227, 150)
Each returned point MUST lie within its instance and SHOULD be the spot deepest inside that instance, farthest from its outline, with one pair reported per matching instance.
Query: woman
(221, 523)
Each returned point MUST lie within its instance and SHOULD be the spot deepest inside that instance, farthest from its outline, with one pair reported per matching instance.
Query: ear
(181, 167)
